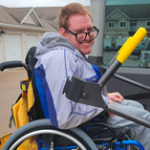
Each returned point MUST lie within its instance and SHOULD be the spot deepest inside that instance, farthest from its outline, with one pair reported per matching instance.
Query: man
(62, 55)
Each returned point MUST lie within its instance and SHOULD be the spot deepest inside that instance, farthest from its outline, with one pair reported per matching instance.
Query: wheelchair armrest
(15, 64)
(10, 64)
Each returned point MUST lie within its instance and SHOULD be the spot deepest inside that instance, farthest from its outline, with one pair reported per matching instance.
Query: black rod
(109, 73)
(130, 116)
(132, 82)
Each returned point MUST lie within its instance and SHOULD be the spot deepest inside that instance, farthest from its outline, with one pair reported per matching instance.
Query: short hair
(73, 8)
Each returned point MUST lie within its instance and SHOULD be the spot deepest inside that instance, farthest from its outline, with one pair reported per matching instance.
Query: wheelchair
(88, 136)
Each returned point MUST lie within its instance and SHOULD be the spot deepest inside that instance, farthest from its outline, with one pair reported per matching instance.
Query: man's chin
(85, 49)
(86, 52)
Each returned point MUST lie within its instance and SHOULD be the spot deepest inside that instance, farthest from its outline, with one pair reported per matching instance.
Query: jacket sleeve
(63, 112)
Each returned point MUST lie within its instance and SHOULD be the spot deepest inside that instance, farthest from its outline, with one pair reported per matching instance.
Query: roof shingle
(5, 17)
(133, 11)
(17, 13)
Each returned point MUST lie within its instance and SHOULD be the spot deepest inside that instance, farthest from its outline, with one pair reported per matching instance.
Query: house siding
(115, 15)
(29, 20)
(0, 48)
(2, 45)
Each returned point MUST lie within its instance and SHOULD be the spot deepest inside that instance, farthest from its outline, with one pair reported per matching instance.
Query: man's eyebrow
(79, 30)
(91, 28)
(82, 29)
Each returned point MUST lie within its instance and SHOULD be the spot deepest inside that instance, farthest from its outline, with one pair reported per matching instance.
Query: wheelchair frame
(44, 126)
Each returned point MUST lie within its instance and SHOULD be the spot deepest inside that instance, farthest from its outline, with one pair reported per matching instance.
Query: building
(123, 21)
(20, 29)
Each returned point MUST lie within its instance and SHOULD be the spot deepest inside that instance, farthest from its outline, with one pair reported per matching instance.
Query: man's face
(80, 23)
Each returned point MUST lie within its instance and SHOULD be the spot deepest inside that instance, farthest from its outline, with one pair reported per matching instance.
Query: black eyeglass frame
(87, 33)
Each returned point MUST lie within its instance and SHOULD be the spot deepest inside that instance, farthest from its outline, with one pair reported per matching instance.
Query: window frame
(124, 22)
(146, 23)
(111, 22)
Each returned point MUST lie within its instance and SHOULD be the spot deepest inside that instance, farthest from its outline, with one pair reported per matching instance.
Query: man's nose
(87, 37)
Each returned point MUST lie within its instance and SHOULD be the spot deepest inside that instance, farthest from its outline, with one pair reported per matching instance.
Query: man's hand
(114, 97)
(117, 97)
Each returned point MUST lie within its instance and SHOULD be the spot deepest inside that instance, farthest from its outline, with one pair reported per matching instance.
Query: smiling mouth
(85, 43)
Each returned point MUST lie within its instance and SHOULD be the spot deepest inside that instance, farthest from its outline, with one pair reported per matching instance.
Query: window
(111, 24)
(148, 23)
(126, 22)
(133, 26)
(122, 24)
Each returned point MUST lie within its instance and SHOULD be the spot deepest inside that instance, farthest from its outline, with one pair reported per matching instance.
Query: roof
(6, 17)
(48, 25)
(132, 11)
(17, 16)
(17, 13)
(46, 17)
(54, 24)
(43, 17)
(47, 13)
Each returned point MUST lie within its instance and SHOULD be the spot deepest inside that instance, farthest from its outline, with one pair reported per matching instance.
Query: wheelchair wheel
(76, 136)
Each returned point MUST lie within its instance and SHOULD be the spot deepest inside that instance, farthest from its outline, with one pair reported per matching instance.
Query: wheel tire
(44, 126)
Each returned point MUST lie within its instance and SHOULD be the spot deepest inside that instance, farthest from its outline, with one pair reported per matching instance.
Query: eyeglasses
(81, 36)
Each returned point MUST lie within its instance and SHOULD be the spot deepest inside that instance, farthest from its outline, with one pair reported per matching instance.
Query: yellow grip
(131, 45)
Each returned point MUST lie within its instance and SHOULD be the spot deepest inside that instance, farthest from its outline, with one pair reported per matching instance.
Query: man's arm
(117, 97)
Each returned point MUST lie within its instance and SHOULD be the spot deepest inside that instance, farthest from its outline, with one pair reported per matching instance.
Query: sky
(41, 3)
(49, 3)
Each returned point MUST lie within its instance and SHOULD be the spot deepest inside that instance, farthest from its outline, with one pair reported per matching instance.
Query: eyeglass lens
(82, 36)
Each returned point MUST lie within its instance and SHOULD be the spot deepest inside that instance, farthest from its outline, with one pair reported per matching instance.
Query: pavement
(9, 92)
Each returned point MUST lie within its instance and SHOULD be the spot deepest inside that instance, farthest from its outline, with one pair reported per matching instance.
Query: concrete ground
(9, 92)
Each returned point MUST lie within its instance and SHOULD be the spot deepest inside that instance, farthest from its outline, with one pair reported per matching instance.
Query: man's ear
(63, 32)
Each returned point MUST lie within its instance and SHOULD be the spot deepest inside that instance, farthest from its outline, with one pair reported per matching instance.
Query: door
(13, 50)
(31, 41)
(132, 68)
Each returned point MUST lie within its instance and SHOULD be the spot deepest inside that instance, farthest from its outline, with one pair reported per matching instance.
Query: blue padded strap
(98, 72)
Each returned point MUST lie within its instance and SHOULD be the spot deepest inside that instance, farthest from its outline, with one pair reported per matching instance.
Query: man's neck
(85, 57)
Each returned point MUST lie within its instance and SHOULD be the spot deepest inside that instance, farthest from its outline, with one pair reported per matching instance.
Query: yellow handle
(131, 45)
